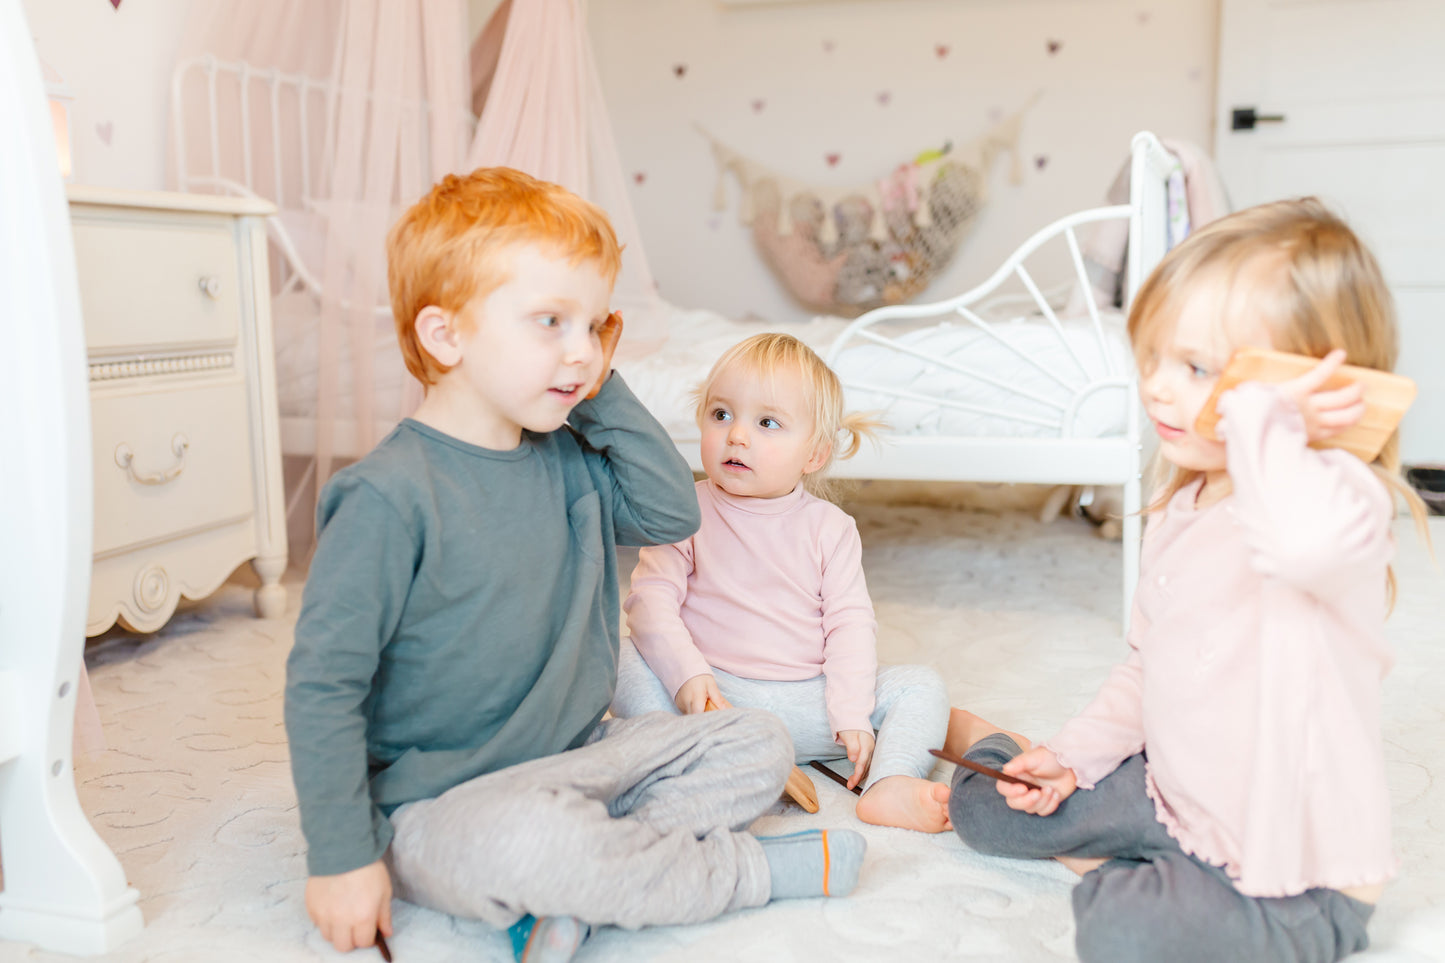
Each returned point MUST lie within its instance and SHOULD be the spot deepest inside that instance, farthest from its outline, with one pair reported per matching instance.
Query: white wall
(819, 68)
(117, 62)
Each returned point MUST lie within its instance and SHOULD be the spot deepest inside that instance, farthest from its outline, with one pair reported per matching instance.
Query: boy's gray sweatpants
(1151, 900)
(910, 712)
(642, 826)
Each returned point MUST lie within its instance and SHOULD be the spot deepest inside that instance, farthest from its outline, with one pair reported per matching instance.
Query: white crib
(64, 890)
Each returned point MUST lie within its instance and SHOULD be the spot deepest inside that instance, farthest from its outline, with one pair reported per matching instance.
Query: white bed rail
(259, 110)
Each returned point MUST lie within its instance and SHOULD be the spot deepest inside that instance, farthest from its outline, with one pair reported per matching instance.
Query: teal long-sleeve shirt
(461, 611)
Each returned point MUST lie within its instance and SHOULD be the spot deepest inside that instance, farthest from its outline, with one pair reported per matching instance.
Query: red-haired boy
(457, 644)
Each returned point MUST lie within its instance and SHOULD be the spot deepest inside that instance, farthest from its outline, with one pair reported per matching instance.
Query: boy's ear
(437, 336)
(818, 459)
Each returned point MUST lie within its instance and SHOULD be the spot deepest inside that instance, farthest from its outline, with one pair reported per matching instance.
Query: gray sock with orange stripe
(815, 862)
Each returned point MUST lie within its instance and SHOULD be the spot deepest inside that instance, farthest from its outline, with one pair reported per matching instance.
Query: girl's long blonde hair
(1315, 286)
(842, 431)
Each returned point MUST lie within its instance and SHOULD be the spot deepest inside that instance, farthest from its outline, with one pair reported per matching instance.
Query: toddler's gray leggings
(1151, 901)
(910, 714)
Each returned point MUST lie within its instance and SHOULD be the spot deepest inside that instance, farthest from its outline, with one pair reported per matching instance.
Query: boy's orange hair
(451, 246)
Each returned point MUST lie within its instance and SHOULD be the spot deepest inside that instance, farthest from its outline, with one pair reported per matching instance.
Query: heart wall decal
(104, 131)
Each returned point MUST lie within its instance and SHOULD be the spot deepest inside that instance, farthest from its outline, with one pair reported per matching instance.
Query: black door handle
(1244, 118)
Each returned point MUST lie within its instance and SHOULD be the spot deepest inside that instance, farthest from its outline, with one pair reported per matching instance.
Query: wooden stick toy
(1001, 776)
(1387, 395)
(799, 787)
(855, 790)
(382, 948)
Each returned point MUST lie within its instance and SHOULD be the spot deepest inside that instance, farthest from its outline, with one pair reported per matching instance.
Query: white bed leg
(1133, 528)
(64, 889)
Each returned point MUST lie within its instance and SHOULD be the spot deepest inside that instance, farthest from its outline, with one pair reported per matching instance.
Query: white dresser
(174, 293)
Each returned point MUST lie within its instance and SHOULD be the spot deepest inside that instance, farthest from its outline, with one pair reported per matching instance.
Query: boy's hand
(859, 744)
(1326, 411)
(349, 908)
(610, 333)
(694, 694)
(1039, 765)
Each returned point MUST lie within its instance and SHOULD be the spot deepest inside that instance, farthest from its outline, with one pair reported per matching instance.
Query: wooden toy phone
(1387, 396)
(799, 788)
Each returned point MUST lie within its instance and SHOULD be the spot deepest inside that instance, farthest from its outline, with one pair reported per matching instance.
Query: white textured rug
(1022, 619)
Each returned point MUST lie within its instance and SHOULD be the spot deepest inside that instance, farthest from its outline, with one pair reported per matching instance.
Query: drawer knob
(125, 458)
(211, 285)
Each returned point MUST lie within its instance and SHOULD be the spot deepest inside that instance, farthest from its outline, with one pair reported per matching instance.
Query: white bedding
(664, 378)
(1029, 379)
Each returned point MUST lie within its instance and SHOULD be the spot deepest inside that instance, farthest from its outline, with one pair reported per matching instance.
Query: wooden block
(1387, 396)
(799, 788)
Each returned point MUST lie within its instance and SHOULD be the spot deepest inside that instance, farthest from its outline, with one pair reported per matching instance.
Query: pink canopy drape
(542, 112)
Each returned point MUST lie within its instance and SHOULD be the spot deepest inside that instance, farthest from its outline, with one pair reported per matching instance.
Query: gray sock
(815, 862)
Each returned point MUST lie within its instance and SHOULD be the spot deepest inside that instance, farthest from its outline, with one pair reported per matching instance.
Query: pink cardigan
(768, 588)
(1256, 654)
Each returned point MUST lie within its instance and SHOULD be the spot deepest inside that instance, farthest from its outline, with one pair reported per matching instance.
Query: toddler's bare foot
(965, 728)
(906, 802)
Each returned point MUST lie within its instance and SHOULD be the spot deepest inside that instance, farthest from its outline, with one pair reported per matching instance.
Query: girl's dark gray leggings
(1151, 901)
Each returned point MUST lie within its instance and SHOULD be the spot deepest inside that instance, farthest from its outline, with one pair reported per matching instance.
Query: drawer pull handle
(211, 286)
(125, 458)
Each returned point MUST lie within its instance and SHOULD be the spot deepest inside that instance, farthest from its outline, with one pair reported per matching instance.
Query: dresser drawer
(169, 460)
(156, 281)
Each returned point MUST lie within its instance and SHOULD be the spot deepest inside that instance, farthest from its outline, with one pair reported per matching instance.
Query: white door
(1350, 103)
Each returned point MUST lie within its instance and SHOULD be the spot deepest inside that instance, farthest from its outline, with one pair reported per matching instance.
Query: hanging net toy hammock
(846, 250)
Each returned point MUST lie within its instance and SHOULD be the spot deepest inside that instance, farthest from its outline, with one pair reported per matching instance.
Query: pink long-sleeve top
(1256, 654)
(768, 588)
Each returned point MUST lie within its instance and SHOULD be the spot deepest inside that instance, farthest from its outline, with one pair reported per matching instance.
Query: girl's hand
(1039, 765)
(859, 744)
(694, 694)
(1326, 411)
(351, 908)
(610, 333)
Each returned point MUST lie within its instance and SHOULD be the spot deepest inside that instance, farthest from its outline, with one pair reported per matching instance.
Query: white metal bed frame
(1063, 458)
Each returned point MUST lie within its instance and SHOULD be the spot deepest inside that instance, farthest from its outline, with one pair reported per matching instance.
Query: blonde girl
(1223, 796)
(766, 606)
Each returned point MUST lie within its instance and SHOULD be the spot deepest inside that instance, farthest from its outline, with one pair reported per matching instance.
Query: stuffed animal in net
(849, 250)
